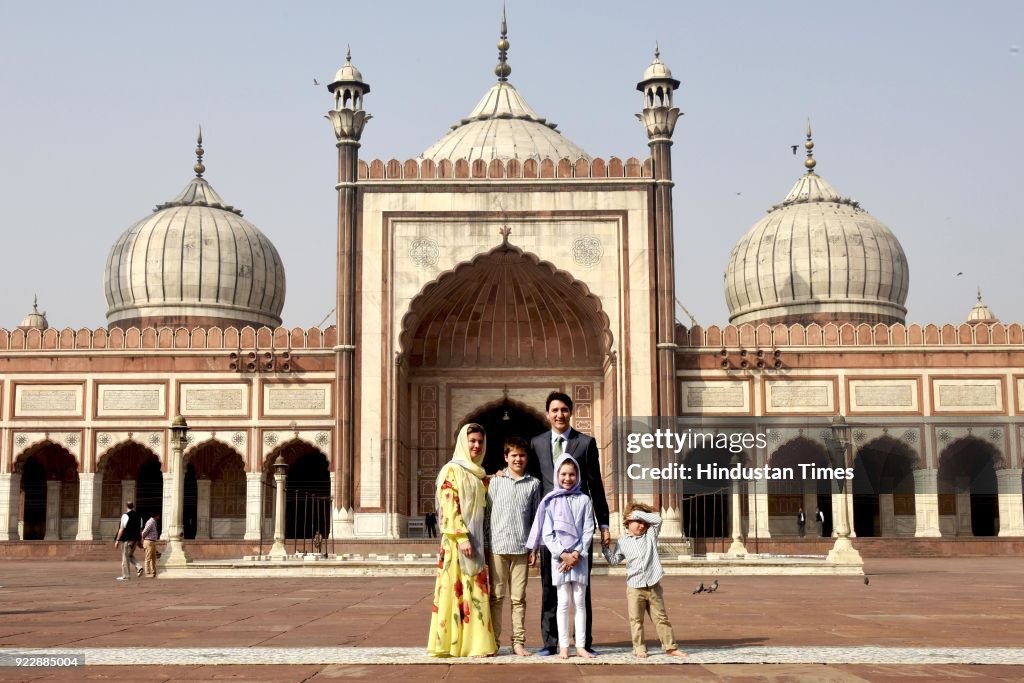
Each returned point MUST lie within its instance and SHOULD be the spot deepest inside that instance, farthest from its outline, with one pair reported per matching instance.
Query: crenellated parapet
(500, 169)
(151, 338)
(848, 335)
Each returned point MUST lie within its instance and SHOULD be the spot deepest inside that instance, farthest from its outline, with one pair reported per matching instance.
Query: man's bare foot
(582, 652)
(642, 654)
(563, 652)
(520, 650)
(675, 653)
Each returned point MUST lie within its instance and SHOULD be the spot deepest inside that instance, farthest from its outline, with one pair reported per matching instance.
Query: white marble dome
(194, 261)
(817, 256)
(503, 126)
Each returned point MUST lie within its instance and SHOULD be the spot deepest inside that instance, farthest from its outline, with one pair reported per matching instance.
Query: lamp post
(278, 550)
(842, 551)
(176, 554)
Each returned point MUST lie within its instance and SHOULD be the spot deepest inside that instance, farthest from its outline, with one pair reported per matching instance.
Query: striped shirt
(643, 568)
(511, 507)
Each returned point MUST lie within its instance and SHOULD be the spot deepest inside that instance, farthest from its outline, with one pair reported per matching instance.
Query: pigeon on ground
(866, 580)
(712, 588)
(699, 589)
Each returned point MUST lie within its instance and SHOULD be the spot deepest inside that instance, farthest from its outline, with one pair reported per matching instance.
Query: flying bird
(794, 148)
(316, 82)
(1014, 50)
(698, 589)
(959, 274)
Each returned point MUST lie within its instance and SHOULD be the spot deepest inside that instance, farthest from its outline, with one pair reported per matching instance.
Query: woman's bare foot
(642, 654)
(520, 650)
(675, 653)
(563, 652)
(582, 652)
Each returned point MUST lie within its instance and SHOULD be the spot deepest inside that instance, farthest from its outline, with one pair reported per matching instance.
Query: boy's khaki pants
(649, 601)
(508, 578)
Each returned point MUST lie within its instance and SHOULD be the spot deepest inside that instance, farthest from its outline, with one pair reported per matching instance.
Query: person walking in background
(430, 522)
(547, 450)
(819, 517)
(129, 533)
(801, 522)
(150, 535)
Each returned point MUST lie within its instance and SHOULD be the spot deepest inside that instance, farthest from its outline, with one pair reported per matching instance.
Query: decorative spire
(809, 162)
(979, 294)
(503, 70)
(348, 54)
(657, 52)
(35, 301)
(199, 168)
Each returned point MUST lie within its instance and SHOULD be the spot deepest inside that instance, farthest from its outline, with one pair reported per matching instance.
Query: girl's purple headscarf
(561, 516)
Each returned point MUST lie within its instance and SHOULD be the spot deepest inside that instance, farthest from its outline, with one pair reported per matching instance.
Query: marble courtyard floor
(924, 619)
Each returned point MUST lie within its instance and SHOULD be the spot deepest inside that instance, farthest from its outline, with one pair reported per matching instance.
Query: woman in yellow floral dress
(460, 623)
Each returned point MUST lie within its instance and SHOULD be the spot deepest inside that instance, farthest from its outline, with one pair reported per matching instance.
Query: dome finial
(35, 301)
(348, 54)
(979, 294)
(503, 70)
(199, 168)
(809, 162)
(657, 50)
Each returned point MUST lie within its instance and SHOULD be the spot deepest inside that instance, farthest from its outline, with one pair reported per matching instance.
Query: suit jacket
(583, 448)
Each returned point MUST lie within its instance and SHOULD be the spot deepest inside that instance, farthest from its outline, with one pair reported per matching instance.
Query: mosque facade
(503, 263)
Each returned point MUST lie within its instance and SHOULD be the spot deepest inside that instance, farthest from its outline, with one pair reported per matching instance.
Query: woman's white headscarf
(468, 474)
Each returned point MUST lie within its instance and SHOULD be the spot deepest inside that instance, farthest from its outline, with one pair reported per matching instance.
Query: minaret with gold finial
(659, 117)
(199, 168)
(348, 118)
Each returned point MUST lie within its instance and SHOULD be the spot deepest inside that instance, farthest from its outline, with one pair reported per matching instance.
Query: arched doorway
(41, 464)
(219, 511)
(502, 421)
(706, 499)
(493, 336)
(883, 488)
(967, 485)
(129, 464)
(307, 489)
(787, 496)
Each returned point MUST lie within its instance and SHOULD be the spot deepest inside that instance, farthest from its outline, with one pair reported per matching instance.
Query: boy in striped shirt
(512, 501)
(639, 549)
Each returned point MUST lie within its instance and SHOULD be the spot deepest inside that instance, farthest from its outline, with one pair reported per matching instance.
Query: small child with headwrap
(565, 524)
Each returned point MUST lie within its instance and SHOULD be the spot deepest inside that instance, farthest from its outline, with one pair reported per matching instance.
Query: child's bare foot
(520, 650)
(582, 652)
(563, 652)
(642, 654)
(675, 653)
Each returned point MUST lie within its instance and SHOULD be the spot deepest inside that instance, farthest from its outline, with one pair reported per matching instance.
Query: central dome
(503, 126)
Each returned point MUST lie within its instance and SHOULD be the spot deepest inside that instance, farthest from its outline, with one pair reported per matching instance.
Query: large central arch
(488, 340)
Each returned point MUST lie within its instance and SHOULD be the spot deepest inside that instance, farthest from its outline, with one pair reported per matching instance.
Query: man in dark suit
(547, 448)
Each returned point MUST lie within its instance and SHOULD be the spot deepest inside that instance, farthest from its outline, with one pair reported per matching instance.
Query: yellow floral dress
(460, 622)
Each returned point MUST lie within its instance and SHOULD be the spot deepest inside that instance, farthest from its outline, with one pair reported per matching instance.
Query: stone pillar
(963, 507)
(736, 513)
(278, 550)
(758, 503)
(204, 525)
(886, 515)
(926, 504)
(176, 554)
(1011, 502)
(52, 511)
(87, 505)
(10, 497)
(253, 505)
(167, 505)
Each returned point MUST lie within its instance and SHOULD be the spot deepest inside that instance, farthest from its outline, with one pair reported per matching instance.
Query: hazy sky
(916, 108)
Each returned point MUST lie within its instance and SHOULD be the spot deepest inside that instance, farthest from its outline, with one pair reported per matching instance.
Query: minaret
(659, 118)
(348, 119)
